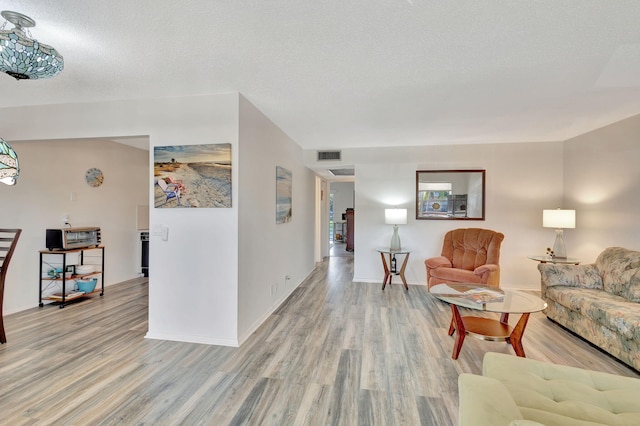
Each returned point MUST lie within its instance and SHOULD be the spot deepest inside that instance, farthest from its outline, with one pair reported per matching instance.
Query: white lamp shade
(395, 216)
(559, 218)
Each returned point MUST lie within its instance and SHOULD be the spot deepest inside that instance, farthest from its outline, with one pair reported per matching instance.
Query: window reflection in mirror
(450, 194)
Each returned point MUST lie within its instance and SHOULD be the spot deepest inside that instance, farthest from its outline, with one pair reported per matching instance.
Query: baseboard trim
(192, 339)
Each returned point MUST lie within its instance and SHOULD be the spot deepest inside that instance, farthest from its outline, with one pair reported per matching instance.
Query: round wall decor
(94, 177)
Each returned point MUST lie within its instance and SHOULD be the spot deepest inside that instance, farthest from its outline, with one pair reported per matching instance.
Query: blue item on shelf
(87, 286)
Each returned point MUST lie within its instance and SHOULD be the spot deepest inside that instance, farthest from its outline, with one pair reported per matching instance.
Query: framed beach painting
(283, 195)
(189, 176)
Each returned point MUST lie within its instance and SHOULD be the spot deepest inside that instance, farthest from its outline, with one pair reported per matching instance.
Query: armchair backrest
(468, 248)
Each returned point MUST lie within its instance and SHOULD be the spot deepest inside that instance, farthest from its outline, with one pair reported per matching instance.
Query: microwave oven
(72, 238)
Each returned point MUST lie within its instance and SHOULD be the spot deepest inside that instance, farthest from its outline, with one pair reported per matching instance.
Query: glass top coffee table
(487, 299)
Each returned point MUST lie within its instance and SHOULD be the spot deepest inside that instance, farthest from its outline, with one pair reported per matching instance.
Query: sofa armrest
(485, 401)
(437, 262)
(584, 276)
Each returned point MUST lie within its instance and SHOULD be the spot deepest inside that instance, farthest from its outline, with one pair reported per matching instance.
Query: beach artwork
(190, 176)
(283, 195)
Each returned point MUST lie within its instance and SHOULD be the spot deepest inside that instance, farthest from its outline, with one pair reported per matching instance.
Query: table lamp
(559, 219)
(395, 217)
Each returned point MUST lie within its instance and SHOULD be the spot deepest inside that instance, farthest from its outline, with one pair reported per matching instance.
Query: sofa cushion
(559, 395)
(620, 271)
(617, 314)
(614, 312)
(574, 297)
(584, 276)
(477, 396)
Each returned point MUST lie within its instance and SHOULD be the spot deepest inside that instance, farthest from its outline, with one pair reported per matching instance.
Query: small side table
(560, 261)
(390, 268)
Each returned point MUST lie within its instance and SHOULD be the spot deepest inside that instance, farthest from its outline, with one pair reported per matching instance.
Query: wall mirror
(450, 194)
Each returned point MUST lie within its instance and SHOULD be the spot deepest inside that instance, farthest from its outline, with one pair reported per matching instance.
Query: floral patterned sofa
(600, 302)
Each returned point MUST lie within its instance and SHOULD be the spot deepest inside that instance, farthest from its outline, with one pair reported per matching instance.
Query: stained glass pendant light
(22, 57)
(9, 169)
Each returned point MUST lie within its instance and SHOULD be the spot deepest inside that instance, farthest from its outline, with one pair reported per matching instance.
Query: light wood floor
(336, 352)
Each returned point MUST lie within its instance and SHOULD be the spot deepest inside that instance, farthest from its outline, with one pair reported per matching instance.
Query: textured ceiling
(338, 74)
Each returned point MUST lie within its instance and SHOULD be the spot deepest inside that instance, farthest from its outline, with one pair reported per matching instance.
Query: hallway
(339, 250)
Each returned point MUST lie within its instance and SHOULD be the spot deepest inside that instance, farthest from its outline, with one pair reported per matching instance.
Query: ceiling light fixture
(9, 169)
(22, 57)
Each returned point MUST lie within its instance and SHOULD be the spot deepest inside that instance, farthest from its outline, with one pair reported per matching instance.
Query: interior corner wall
(51, 171)
(522, 179)
(194, 275)
(601, 181)
(268, 252)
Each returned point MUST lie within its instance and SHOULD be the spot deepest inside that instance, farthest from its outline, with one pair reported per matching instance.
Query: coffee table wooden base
(487, 329)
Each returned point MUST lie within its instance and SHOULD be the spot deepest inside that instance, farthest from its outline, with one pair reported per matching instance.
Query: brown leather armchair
(470, 255)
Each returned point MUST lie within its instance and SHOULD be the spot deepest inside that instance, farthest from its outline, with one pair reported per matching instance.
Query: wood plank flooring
(335, 353)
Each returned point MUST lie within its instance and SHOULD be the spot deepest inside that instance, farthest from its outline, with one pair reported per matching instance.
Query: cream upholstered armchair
(470, 255)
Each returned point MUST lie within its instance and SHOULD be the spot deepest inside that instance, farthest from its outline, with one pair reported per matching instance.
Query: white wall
(211, 281)
(322, 204)
(521, 180)
(601, 181)
(269, 252)
(194, 275)
(50, 172)
(321, 249)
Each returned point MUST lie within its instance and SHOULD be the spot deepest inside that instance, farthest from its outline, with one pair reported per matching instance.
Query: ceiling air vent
(342, 172)
(329, 155)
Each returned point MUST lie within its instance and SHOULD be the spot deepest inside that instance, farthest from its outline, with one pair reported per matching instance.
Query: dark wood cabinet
(350, 229)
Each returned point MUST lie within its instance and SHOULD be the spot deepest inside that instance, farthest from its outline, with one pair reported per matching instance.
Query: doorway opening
(341, 202)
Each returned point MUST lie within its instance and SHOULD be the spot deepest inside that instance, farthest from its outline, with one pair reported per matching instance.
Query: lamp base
(395, 240)
(559, 250)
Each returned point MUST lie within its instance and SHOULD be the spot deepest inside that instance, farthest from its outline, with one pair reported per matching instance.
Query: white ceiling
(341, 73)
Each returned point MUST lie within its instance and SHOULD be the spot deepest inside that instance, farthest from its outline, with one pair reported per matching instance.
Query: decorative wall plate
(94, 177)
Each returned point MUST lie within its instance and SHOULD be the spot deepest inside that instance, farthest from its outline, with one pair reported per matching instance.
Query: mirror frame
(420, 216)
